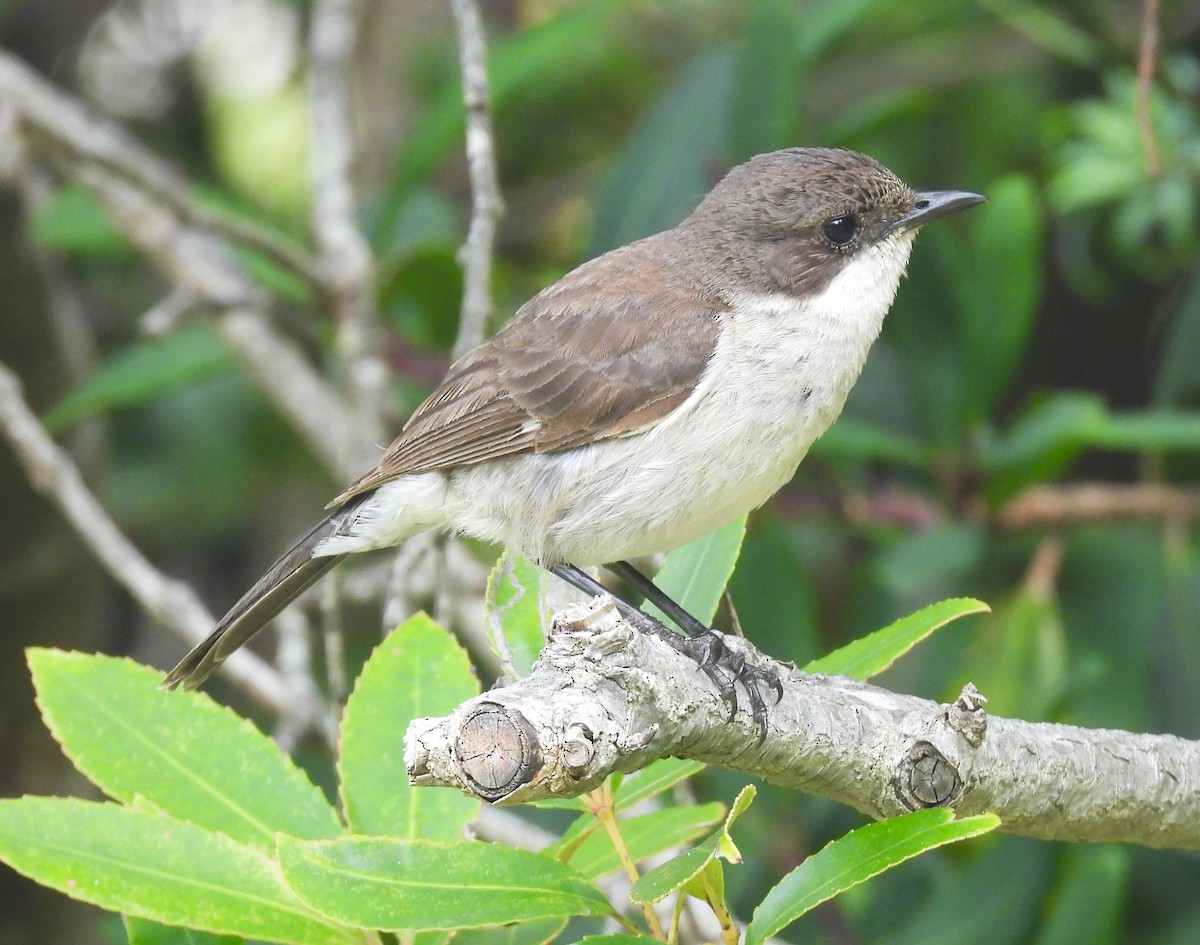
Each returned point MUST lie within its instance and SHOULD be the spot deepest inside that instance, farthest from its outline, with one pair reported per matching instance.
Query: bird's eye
(840, 231)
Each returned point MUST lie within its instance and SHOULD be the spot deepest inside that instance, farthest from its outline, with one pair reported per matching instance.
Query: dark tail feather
(294, 572)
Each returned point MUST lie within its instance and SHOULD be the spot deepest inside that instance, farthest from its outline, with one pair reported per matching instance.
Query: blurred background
(1026, 431)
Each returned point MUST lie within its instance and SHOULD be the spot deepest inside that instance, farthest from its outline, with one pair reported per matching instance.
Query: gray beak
(932, 204)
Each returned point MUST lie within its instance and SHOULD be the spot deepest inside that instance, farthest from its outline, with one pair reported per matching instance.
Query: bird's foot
(726, 668)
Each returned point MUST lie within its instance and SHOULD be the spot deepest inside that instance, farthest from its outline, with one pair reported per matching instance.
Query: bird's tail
(296, 570)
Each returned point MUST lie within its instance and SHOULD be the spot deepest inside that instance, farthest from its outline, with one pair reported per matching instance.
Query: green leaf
(1047, 436)
(635, 787)
(132, 739)
(145, 932)
(663, 880)
(870, 655)
(1149, 431)
(656, 777)
(582, 827)
(384, 883)
(855, 858)
(616, 938)
(695, 575)
(71, 221)
(517, 620)
(157, 868)
(537, 932)
(667, 164)
(143, 372)
(1003, 237)
(855, 440)
(644, 836)
(418, 670)
(1087, 901)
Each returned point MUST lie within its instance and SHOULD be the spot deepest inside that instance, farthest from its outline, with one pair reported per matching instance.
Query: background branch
(486, 204)
(345, 258)
(173, 603)
(1146, 63)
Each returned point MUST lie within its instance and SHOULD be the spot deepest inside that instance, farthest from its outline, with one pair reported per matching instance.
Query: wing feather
(597, 355)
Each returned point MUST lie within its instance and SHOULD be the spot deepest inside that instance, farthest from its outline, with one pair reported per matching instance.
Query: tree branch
(1084, 502)
(605, 698)
(345, 258)
(1146, 63)
(173, 603)
(486, 203)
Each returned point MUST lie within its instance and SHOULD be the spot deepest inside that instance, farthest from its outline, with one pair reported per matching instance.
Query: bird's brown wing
(597, 355)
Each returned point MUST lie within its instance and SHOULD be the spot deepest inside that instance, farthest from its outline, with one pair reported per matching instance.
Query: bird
(642, 400)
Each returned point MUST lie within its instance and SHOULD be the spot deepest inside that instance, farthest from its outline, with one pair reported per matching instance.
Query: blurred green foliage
(1049, 337)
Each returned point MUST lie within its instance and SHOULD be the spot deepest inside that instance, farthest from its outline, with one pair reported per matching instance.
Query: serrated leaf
(516, 618)
(157, 868)
(644, 836)
(663, 880)
(695, 575)
(391, 884)
(872, 654)
(132, 739)
(855, 858)
(144, 371)
(418, 670)
(656, 777)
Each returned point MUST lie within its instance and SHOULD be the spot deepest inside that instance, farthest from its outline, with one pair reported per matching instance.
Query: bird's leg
(578, 578)
(651, 591)
(703, 644)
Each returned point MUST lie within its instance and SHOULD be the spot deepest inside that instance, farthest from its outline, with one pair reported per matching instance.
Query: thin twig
(345, 257)
(486, 203)
(68, 124)
(1147, 58)
(173, 603)
(1084, 502)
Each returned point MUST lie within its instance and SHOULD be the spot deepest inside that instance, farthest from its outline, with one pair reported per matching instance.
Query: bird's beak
(932, 204)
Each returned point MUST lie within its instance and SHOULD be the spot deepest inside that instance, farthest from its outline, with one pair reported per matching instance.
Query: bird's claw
(726, 668)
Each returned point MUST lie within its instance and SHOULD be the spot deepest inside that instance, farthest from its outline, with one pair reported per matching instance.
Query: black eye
(840, 231)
